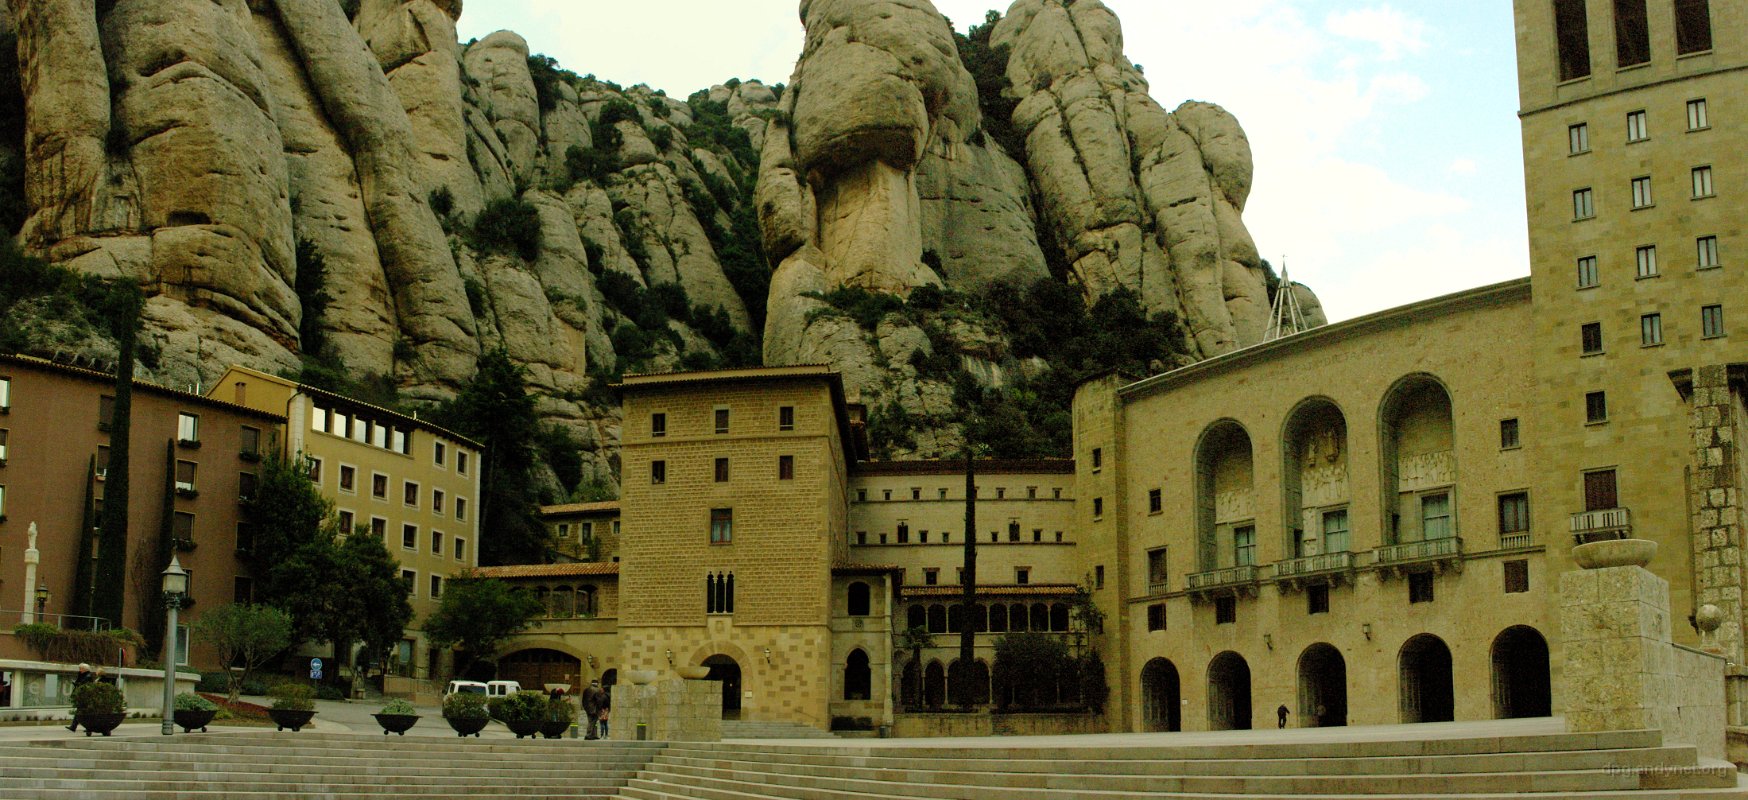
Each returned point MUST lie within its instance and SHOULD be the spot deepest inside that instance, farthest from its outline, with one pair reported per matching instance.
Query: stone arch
(537, 667)
(1228, 692)
(910, 688)
(857, 600)
(1017, 618)
(1225, 495)
(1322, 687)
(1314, 478)
(934, 684)
(1424, 669)
(727, 670)
(998, 618)
(1161, 696)
(1521, 683)
(918, 617)
(1059, 617)
(1417, 459)
(937, 618)
(1040, 617)
(858, 677)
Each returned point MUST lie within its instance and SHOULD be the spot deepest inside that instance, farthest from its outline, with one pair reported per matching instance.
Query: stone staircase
(748, 729)
(282, 766)
(1251, 764)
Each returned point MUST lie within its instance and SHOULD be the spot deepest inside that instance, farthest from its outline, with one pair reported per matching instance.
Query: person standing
(79, 680)
(592, 707)
(606, 708)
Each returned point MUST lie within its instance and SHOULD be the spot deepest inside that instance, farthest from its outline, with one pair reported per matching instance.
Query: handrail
(1443, 547)
(1307, 565)
(95, 623)
(1226, 576)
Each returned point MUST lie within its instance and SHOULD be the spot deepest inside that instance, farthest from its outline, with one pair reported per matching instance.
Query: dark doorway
(1425, 668)
(858, 678)
(724, 669)
(1228, 693)
(934, 686)
(537, 668)
(1322, 687)
(1161, 696)
(1521, 686)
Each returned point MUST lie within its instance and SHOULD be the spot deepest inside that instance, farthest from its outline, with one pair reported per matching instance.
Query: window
(440, 457)
(916, 493)
(1317, 599)
(1693, 26)
(410, 578)
(245, 537)
(786, 418)
(931, 576)
(315, 468)
(1587, 273)
(722, 470)
(1157, 577)
(105, 412)
(379, 527)
(1697, 118)
(1637, 130)
(346, 521)
(1702, 183)
(658, 472)
(1022, 575)
(1156, 617)
(1037, 535)
(1711, 321)
(1508, 435)
(721, 525)
(585, 532)
(658, 425)
(250, 447)
(1599, 490)
(1590, 337)
(379, 435)
(940, 494)
(1335, 531)
(722, 420)
(1646, 257)
(401, 442)
(460, 548)
(436, 543)
(187, 428)
(1583, 206)
(1650, 330)
(1516, 576)
(1596, 407)
(1000, 492)
(348, 478)
(1514, 512)
(1435, 516)
(410, 537)
(410, 493)
(243, 590)
(1056, 493)
(461, 508)
(1244, 545)
(1572, 35)
(102, 463)
(1013, 530)
(182, 529)
(903, 532)
(245, 486)
(1225, 610)
(1708, 252)
(1577, 139)
(1154, 504)
(379, 486)
(1642, 192)
(461, 461)
(1632, 34)
(1098, 458)
(185, 477)
(1420, 587)
(1098, 507)
(182, 637)
(719, 593)
(436, 586)
(5, 394)
(857, 600)
(437, 501)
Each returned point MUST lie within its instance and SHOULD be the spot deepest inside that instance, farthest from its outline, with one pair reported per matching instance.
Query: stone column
(1716, 417)
(31, 557)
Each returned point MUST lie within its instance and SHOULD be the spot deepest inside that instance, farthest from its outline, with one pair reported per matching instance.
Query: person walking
(592, 707)
(1281, 716)
(606, 708)
(79, 680)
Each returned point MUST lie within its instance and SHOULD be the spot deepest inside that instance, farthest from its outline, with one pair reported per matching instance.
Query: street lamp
(42, 600)
(175, 588)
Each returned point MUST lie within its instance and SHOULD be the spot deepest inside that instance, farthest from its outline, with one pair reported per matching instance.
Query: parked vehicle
(502, 688)
(467, 687)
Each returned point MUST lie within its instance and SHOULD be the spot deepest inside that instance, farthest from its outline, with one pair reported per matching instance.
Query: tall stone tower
(1635, 143)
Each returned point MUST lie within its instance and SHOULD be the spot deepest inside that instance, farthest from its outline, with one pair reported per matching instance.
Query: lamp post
(42, 601)
(175, 587)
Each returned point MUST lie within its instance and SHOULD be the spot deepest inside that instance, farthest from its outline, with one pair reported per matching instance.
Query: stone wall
(987, 724)
(669, 711)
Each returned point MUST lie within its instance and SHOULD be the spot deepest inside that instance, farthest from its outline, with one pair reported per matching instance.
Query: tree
(1032, 670)
(245, 636)
(915, 639)
(495, 409)
(968, 581)
(120, 303)
(478, 614)
(372, 608)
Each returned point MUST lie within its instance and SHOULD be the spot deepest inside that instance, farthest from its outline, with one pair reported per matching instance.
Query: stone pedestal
(1622, 669)
(672, 710)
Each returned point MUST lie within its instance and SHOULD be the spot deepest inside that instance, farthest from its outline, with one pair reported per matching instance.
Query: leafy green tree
(495, 409)
(245, 636)
(1031, 669)
(479, 614)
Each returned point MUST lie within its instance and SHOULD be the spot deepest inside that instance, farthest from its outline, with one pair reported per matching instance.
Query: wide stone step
(506, 792)
(334, 759)
(383, 768)
(403, 750)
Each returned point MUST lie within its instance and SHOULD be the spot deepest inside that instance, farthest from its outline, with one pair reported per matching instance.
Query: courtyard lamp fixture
(1268, 640)
(42, 599)
(1366, 628)
(175, 588)
(767, 656)
(670, 658)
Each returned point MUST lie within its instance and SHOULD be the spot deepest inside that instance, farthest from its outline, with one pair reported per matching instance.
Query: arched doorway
(537, 667)
(1322, 687)
(1425, 668)
(1314, 480)
(858, 678)
(1521, 686)
(1161, 697)
(724, 669)
(1225, 497)
(1228, 693)
(934, 685)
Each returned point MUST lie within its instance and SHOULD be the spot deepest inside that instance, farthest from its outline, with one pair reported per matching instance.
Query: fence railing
(1312, 565)
(1228, 576)
(1425, 550)
(72, 622)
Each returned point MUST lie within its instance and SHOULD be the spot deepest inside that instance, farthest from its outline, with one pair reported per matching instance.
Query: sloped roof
(594, 568)
(580, 508)
(993, 590)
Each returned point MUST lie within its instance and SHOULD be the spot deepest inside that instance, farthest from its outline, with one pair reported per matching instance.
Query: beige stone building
(583, 531)
(412, 483)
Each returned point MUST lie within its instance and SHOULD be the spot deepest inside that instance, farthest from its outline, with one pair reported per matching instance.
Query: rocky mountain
(340, 189)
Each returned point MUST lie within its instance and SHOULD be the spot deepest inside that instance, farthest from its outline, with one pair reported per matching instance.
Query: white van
(502, 688)
(465, 687)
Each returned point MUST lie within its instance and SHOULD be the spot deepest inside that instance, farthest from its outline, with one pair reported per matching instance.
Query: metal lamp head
(175, 578)
(42, 593)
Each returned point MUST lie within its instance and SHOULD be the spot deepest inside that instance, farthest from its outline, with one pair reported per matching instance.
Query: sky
(1385, 138)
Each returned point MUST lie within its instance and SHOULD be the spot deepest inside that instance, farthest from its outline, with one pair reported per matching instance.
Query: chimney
(242, 393)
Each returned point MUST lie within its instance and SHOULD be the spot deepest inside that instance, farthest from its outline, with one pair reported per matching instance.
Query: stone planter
(692, 673)
(554, 728)
(288, 718)
(640, 677)
(523, 728)
(189, 719)
(397, 724)
(467, 726)
(1615, 553)
(100, 723)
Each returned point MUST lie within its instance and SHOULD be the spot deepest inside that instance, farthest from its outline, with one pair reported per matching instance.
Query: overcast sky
(1388, 166)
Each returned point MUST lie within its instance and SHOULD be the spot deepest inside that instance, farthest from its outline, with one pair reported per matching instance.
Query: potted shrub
(466, 713)
(292, 706)
(523, 713)
(99, 706)
(397, 717)
(193, 711)
(560, 713)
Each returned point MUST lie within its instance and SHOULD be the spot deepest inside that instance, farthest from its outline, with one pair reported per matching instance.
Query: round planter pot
(692, 673)
(287, 718)
(189, 719)
(554, 728)
(523, 728)
(639, 677)
(1615, 553)
(100, 723)
(469, 726)
(397, 724)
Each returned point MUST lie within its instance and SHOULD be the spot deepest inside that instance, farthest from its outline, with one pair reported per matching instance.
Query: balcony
(1332, 568)
(1226, 581)
(1515, 540)
(1601, 524)
(1438, 553)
